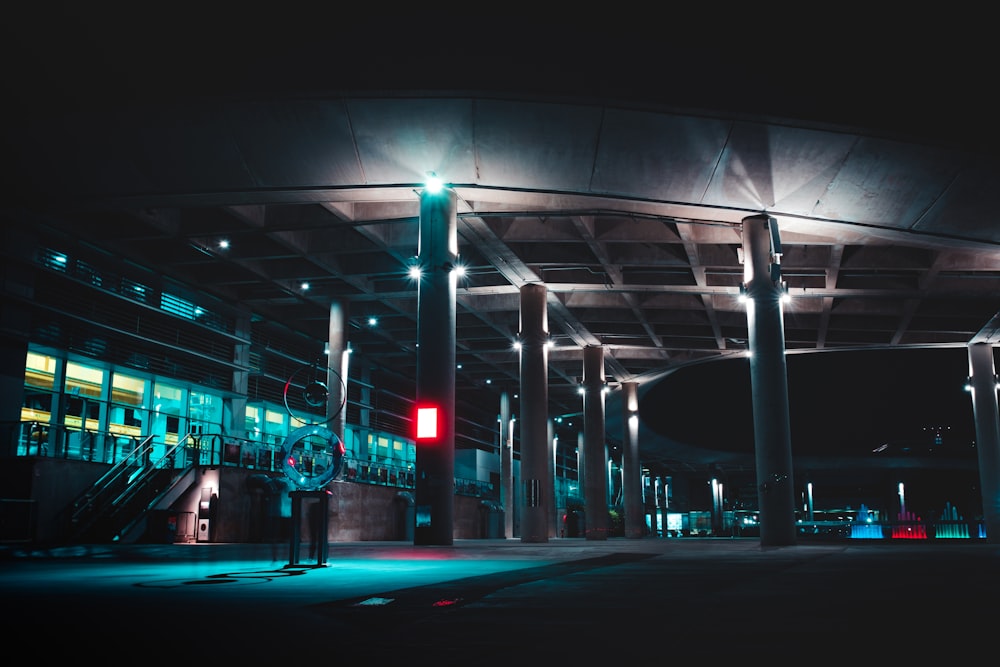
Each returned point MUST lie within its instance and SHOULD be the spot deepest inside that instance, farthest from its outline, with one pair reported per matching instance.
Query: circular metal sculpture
(306, 391)
(312, 457)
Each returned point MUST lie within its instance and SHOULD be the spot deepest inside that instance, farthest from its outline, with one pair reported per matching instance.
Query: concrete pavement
(486, 602)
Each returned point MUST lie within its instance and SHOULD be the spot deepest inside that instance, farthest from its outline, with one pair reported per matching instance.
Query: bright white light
(223, 244)
(415, 272)
(305, 287)
(517, 345)
(459, 270)
(372, 321)
(434, 184)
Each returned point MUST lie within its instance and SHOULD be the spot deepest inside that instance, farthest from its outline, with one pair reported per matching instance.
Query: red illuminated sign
(427, 423)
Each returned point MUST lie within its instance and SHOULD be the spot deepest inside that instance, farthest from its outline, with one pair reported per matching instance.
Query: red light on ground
(291, 461)
(427, 423)
(447, 602)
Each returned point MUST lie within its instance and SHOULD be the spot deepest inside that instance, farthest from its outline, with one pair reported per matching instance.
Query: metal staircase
(115, 507)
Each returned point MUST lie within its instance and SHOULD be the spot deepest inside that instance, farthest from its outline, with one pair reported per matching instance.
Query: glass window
(351, 443)
(128, 415)
(39, 388)
(411, 452)
(83, 396)
(126, 421)
(37, 406)
(136, 291)
(252, 423)
(52, 259)
(205, 412)
(128, 390)
(275, 426)
(299, 422)
(40, 371)
(382, 451)
(178, 306)
(83, 380)
(168, 413)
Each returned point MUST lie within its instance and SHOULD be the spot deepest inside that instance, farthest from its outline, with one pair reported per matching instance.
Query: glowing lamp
(427, 422)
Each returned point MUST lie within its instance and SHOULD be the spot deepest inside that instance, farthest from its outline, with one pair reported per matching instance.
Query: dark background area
(926, 76)
(844, 403)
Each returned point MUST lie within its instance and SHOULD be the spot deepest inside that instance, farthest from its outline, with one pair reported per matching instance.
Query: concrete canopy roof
(623, 202)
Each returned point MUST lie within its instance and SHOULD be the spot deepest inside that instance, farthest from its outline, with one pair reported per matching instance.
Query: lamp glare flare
(968, 383)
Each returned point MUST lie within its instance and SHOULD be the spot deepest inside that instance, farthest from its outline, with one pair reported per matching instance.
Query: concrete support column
(595, 489)
(337, 368)
(535, 469)
(437, 254)
(768, 381)
(553, 472)
(631, 465)
(235, 409)
(506, 465)
(984, 409)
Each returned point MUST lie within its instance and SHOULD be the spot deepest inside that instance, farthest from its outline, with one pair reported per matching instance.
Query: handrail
(170, 453)
(86, 501)
(140, 476)
(140, 483)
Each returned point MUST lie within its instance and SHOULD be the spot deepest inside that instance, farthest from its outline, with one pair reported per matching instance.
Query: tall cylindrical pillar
(553, 468)
(506, 464)
(595, 485)
(982, 368)
(631, 465)
(337, 366)
(535, 475)
(437, 254)
(769, 382)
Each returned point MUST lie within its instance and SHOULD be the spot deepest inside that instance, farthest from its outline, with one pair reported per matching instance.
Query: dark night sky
(838, 67)
(840, 403)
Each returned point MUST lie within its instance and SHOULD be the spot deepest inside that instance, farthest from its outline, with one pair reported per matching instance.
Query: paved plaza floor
(486, 602)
